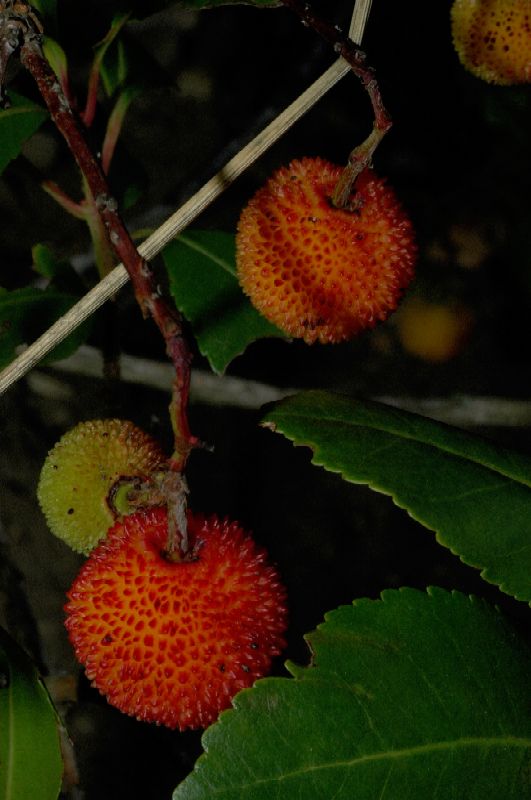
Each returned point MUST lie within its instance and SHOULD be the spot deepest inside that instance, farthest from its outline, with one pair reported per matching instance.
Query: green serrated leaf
(26, 313)
(474, 494)
(410, 697)
(17, 124)
(30, 753)
(202, 270)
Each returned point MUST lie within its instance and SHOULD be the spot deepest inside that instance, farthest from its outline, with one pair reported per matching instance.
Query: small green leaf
(26, 313)
(45, 262)
(57, 58)
(100, 52)
(410, 697)
(61, 273)
(114, 68)
(17, 124)
(48, 8)
(30, 753)
(475, 495)
(202, 270)
(115, 76)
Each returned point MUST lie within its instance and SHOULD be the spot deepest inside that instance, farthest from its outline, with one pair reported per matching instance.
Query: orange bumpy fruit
(493, 39)
(80, 470)
(172, 642)
(318, 272)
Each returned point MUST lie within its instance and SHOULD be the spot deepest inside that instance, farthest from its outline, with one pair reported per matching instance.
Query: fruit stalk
(361, 156)
(147, 291)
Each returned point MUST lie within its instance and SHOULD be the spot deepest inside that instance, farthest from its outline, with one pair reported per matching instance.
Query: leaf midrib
(17, 110)
(399, 435)
(193, 245)
(506, 741)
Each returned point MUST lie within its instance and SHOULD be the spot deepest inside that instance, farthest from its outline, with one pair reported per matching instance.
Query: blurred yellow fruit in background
(493, 39)
(433, 331)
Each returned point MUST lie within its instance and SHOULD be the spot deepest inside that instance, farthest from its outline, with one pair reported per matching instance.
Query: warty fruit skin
(172, 642)
(493, 39)
(317, 272)
(81, 469)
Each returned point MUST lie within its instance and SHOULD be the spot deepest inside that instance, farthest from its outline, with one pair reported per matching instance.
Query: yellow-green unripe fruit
(80, 471)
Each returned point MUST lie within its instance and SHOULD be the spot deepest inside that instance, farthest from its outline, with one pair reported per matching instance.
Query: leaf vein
(392, 755)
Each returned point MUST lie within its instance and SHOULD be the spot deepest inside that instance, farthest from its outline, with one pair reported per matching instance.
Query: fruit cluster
(165, 641)
(171, 640)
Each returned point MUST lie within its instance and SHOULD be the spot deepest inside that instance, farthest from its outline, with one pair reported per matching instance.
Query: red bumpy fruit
(318, 272)
(172, 642)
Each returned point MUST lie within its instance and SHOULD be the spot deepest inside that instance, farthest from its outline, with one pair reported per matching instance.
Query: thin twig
(147, 292)
(188, 212)
(361, 156)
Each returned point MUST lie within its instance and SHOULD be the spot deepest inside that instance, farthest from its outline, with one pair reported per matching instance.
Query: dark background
(457, 156)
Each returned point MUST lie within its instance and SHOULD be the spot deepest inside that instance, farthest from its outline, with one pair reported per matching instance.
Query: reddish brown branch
(361, 156)
(147, 291)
